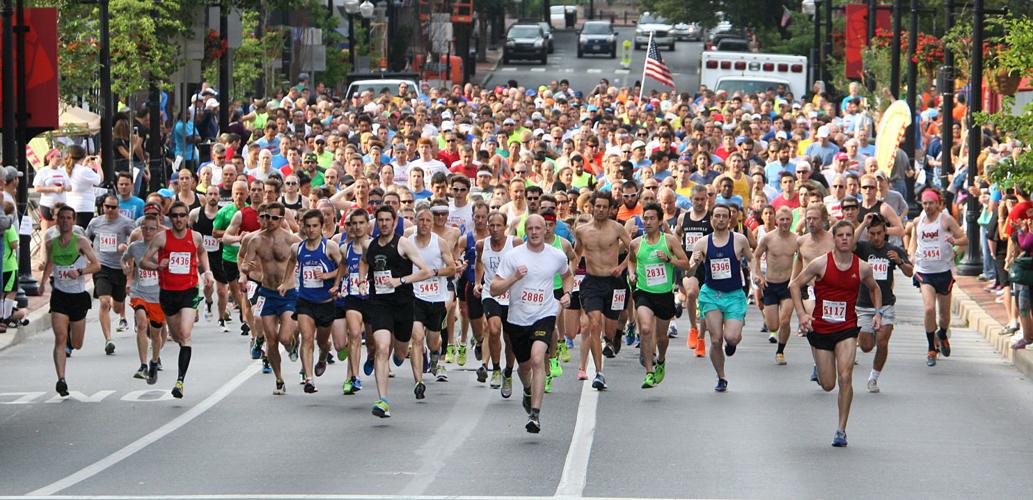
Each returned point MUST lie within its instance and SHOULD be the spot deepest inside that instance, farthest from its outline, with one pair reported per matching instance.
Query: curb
(972, 314)
(491, 73)
(39, 321)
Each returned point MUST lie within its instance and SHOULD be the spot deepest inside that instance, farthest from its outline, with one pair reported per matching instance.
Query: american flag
(655, 66)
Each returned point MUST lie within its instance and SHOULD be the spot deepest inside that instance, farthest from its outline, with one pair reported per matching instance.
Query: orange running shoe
(701, 348)
(691, 340)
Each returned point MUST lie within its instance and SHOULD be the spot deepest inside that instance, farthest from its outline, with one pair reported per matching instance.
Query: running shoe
(701, 348)
(320, 366)
(420, 390)
(244, 329)
(398, 361)
(461, 356)
(581, 374)
(256, 349)
(61, 388)
(649, 381)
(563, 352)
(729, 349)
(159, 365)
(534, 425)
(266, 369)
(616, 343)
(638, 342)
(659, 372)
(292, 352)
(722, 385)
(177, 390)
(555, 368)
(672, 331)
(772, 339)
(814, 374)
(381, 409)
(367, 367)
(450, 353)
(693, 337)
(677, 307)
(839, 440)
(141, 373)
(152, 373)
(434, 361)
(281, 388)
(123, 325)
(548, 384)
(930, 358)
(764, 328)
(945, 344)
(426, 360)
(329, 358)
(310, 388)
(629, 333)
(608, 349)
(222, 326)
(873, 386)
(441, 375)
(301, 376)
(599, 383)
(342, 353)
(507, 387)
(347, 389)
(68, 349)
(527, 401)
(780, 359)
(478, 352)
(482, 374)
(570, 343)
(1020, 344)
(496, 379)
(109, 348)
(356, 384)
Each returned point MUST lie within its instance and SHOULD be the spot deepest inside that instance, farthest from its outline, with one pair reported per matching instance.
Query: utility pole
(107, 107)
(7, 56)
(912, 84)
(816, 63)
(872, 13)
(828, 46)
(947, 89)
(224, 67)
(895, 52)
(157, 160)
(27, 284)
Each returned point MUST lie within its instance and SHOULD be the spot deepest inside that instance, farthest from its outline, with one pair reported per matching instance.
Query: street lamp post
(827, 52)
(912, 83)
(895, 52)
(812, 8)
(947, 89)
(972, 263)
(351, 7)
(224, 66)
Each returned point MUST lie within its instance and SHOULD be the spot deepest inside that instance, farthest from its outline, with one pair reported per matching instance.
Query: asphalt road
(958, 430)
(584, 73)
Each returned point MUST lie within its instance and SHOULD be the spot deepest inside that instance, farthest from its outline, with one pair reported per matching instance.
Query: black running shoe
(420, 390)
(534, 425)
(608, 348)
(62, 388)
(152, 373)
(729, 349)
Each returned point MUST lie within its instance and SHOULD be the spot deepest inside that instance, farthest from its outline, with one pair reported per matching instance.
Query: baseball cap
(446, 115)
(638, 144)
(319, 138)
(803, 165)
(310, 157)
(11, 173)
(211, 103)
(823, 132)
(509, 121)
(166, 193)
(781, 134)
(537, 116)
(848, 203)
(842, 156)
(592, 107)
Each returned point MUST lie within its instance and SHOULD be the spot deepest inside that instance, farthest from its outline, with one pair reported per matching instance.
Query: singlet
(293, 206)
(693, 230)
(861, 212)
(723, 272)
(470, 256)
(205, 226)
(491, 259)
(310, 262)
(836, 294)
(557, 281)
(882, 270)
(181, 273)
(740, 186)
(66, 259)
(352, 284)
(432, 289)
(640, 227)
(191, 206)
(385, 263)
(249, 219)
(654, 274)
(933, 254)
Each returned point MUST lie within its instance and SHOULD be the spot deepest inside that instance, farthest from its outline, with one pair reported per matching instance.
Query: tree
(1016, 57)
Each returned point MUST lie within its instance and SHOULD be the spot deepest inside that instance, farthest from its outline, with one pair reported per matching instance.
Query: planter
(1002, 82)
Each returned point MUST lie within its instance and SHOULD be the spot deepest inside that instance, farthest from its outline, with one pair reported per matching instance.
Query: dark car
(526, 41)
(732, 44)
(597, 37)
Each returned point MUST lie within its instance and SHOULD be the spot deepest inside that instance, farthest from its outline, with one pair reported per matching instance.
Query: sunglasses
(629, 196)
(407, 202)
(650, 187)
(495, 207)
(533, 198)
(460, 189)
(177, 215)
(376, 203)
(270, 217)
(113, 207)
(868, 186)
(290, 183)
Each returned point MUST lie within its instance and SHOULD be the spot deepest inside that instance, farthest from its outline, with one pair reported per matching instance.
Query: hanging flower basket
(1003, 82)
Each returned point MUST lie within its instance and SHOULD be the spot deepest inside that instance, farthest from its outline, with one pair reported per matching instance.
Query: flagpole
(642, 86)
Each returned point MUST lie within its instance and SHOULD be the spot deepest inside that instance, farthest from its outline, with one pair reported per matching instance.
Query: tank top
(740, 187)
(293, 206)
(836, 294)
(181, 273)
(205, 226)
(310, 262)
(351, 285)
(654, 274)
(861, 212)
(66, 259)
(432, 289)
(723, 272)
(693, 230)
(491, 260)
(557, 280)
(249, 219)
(933, 254)
(470, 256)
(385, 263)
(191, 206)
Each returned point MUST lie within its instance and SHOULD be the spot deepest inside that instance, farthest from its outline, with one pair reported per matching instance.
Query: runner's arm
(960, 239)
(288, 273)
(48, 265)
(680, 260)
(150, 257)
(806, 274)
(232, 234)
(451, 264)
(478, 268)
(894, 227)
(762, 248)
(408, 250)
(633, 260)
(93, 263)
(868, 280)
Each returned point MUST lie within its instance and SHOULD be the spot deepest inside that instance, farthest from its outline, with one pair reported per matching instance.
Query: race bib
(382, 282)
(257, 308)
(179, 262)
(107, 242)
(252, 287)
(533, 296)
(578, 278)
(656, 274)
(880, 268)
(931, 253)
(833, 311)
(428, 287)
(354, 281)
(503, 298)
(65, 274)
(721, 269)
(310, 277)
(692, 238)
(619, 296)
(210, 243)
(147, 278)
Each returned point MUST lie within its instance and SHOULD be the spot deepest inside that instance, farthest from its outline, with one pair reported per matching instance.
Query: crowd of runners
(508, 228)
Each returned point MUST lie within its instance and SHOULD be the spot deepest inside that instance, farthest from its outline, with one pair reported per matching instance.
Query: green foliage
(250, 59)
(1017, 57)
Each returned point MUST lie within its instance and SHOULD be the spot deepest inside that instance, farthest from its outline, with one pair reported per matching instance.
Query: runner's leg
(846, 351)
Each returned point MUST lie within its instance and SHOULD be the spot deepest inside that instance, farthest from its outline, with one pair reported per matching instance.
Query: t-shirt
(131, 208)
(531, 297)
(1019, 213)
(49, 177)
(429, 167)
(145, 283)
(221, 222)
(106, 235)
(10, 261)
(882, 268)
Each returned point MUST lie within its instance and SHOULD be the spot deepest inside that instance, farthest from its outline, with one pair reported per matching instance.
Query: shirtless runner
(815, 243)
(778, 248)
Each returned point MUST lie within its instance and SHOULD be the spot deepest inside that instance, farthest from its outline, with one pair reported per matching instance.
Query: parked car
(658, 26)
(377, 85)
(597, 37)
(562, 16)
(525, 41)
(687, 31)
(732, 44)
(548, 35)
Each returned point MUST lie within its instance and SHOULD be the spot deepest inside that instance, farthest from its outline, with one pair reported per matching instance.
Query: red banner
(41, 74)
(857, 36)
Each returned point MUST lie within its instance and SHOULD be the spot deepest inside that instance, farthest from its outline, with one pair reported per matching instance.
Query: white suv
(658, 26)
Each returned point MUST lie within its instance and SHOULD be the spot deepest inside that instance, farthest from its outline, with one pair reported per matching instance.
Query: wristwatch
(401, 281)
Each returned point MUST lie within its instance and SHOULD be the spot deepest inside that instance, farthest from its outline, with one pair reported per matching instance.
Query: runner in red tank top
(177, 254)
(832, 329)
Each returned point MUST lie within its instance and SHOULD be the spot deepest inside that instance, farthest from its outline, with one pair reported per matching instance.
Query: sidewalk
(979, 310)
(39, 320)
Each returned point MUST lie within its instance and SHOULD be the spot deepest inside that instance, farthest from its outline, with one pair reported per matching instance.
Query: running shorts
(109, 282)
(943, 282)
(276, 304)
(429, 314)
(153, 311)
(322, 313)
(828, 341)
(391, 316)
(731, 304)
(174, 301)
(601, 293)
(73, 305)
(662, 304)
(866, 317)
(775, 293)
(523, 337)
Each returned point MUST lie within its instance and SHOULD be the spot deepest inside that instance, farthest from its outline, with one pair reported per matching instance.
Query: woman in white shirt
(83, 179)
(51, 182)
(264, 167)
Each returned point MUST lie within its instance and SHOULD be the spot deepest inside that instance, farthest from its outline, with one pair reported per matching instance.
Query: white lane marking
(568, 70)
(538, 70)
(434, 453)
(575, 467)
(622, 71)
(507, 68)
(594, 70)
(170, 427)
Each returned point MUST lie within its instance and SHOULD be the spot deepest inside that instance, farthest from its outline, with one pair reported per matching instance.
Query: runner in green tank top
(555, 346)
(653, 258)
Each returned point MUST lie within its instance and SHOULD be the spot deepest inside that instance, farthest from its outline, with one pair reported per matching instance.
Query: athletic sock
(874, 375)
(184, 360)
(929, 338)
(508, 372)
(781, 348)
(494, 367)
(535, 412)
